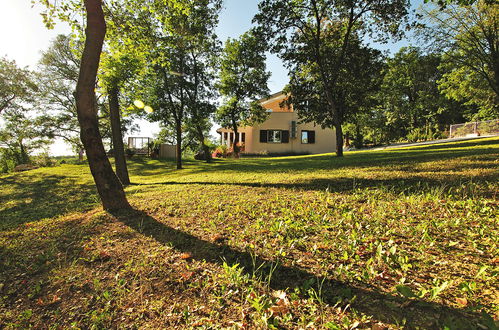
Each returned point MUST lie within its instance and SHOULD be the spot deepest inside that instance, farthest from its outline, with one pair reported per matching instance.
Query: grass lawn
(378, 239)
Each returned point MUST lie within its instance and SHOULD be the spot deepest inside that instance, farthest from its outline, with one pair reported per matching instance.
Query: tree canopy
(243, 81)
(318, 34)
(469, 37)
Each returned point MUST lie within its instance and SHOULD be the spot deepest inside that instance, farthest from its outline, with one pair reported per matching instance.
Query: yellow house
(281, 133)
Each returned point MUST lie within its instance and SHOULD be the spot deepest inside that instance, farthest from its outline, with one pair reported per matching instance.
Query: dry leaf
(462, 301)
(187, 275)
(186, 255)
(279, 309)
(218, 238)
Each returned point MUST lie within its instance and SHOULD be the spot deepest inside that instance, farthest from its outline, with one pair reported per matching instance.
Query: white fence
(476, 128)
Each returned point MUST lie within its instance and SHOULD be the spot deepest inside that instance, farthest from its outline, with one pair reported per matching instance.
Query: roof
(270, 97)
(273, 103)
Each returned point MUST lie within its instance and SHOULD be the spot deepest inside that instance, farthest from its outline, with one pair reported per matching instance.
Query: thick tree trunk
(337, 119)
(108, 185)
(119, 149)
(339, 140)
(178, 128)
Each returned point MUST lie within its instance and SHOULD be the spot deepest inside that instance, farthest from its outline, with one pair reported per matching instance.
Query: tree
(444, 3)
(243, 80)
(413, 104)
(19, 137)
(182, 46)
(108, 185)
(16, 85)
(469, 36)
(58, 75)
(319, 33)
(357, 86)
(116, 70)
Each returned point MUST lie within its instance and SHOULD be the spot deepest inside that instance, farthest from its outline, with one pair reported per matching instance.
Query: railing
(140, 145)
(476, 128)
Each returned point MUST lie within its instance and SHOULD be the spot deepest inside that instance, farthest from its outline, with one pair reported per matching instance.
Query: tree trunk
(24, 155)
(337, 120)
(339, 140)
(178, 128)
(203, 145)
(108, 185)
(119, 149)
(235, 147)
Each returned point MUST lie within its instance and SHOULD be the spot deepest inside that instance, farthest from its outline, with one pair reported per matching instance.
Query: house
(281, 133)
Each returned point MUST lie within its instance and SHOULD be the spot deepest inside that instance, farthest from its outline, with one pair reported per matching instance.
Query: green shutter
(285, 136)
(311, 136)
(263, 136)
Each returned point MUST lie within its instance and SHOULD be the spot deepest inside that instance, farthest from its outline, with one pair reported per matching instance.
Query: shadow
(463, 144)
(358, 159)
(400, 185)
(27, 198)
(383, 306)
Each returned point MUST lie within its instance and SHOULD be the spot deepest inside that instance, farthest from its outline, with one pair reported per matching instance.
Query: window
(307, 137)
(274, 136)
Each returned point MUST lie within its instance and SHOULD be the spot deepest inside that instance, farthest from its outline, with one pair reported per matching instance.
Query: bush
(129, 152)
(43, 160)
(220, 152)
(201, 155)
(7, 163)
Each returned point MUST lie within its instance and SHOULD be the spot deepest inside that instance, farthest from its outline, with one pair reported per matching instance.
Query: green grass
(398, 238)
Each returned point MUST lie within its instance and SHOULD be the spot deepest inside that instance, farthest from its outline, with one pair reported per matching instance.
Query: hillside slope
(405, 237)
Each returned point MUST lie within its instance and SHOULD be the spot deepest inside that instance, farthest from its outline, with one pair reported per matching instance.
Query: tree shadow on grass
(383, 306)
(407, 185)
(44, 196)
(354, 160)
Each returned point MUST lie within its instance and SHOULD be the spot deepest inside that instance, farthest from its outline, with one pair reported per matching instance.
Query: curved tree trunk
(108, 185)
(119, 149)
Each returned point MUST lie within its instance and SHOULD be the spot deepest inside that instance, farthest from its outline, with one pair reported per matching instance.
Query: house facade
(281, 133)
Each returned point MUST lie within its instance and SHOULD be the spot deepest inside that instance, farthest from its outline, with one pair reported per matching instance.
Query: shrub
(43, 160)
(220, 152)
(129, 152)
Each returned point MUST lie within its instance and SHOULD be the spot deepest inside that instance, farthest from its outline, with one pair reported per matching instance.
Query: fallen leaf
(355, 325)
(378, 326)
(218, 238)
(462, 301)
(279, 309)
(186, 255)
(187, 275)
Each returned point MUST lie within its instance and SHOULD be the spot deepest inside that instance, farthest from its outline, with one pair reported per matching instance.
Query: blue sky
(23, 36)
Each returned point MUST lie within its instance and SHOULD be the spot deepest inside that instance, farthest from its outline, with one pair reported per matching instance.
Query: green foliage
(411, 103)
(468, 36)
(19, 135)
(181, 60)
(17, 85)
(321, 45)
(243, 81)
(57, 77)
(19, 138)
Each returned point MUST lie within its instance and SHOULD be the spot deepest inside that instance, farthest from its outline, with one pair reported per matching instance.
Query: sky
(23, 36)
